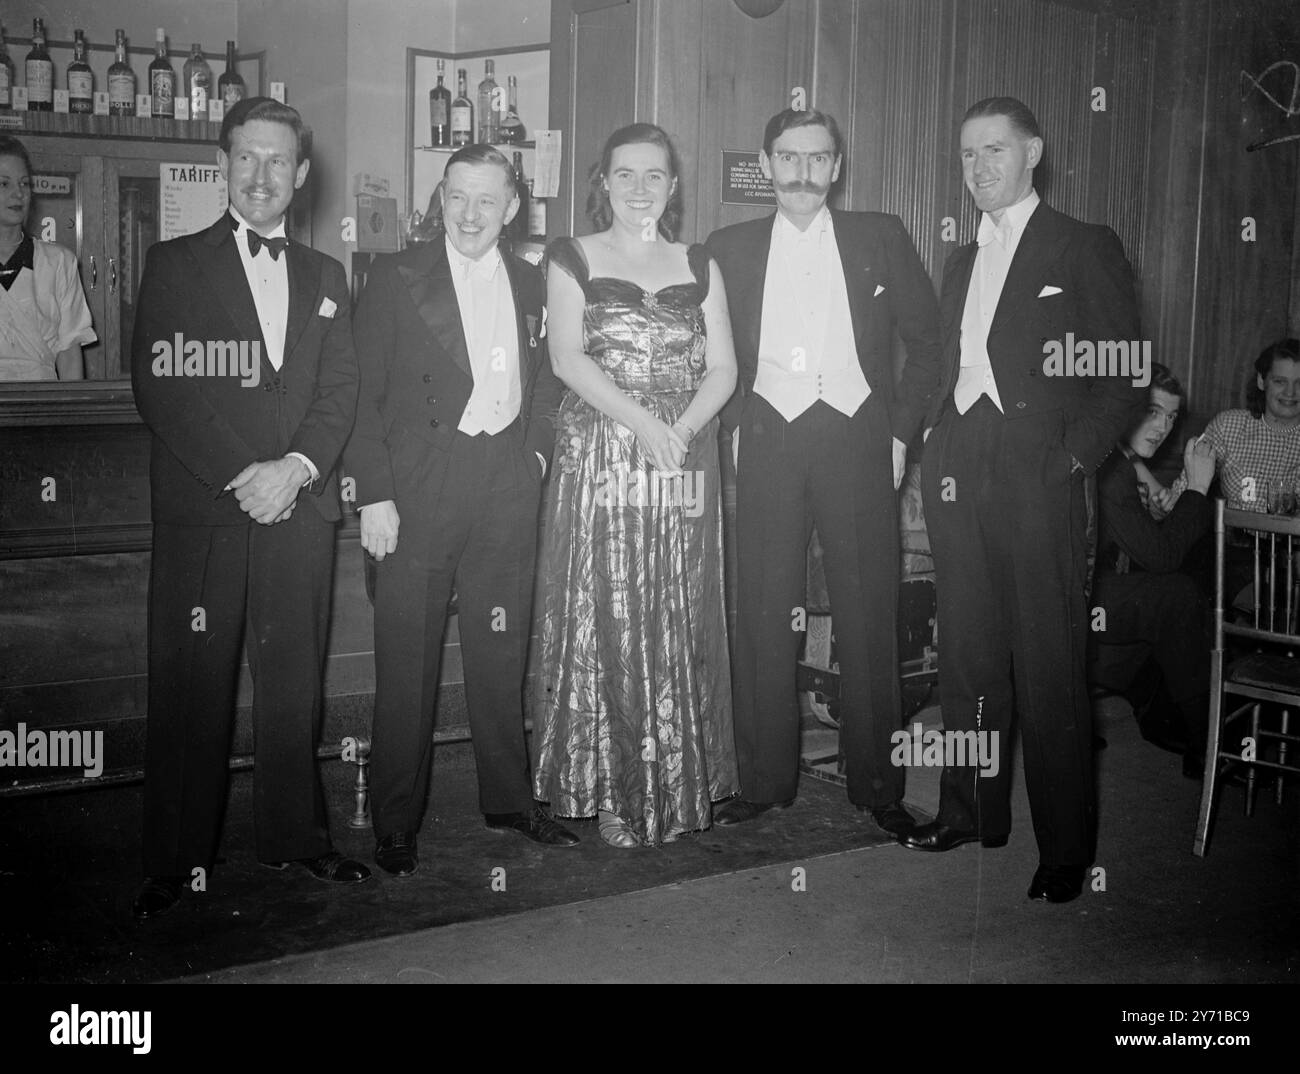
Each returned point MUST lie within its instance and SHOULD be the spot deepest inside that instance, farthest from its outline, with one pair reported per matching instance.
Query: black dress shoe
(738, 810)
(892, 818)
(938, 837)
(537, 824)
(156, 896)
(396, 854)
(1057, 883)
(335, 868)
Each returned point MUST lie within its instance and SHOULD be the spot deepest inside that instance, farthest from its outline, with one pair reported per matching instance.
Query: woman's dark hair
(598, 208)
(1283, 349)
(1164, 380)
(12, 147)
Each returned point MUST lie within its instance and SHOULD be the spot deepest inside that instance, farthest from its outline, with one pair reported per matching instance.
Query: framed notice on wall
(191, 197)
(743, 182)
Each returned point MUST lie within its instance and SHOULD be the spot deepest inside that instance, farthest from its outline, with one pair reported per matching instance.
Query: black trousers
(1170, 615)
(468, 518)
(1007, 525)
(835, 472)
(269, 587)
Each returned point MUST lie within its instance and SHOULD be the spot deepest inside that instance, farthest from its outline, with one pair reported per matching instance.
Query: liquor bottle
(462, 111)
(519, 225)
(440, 112)
(536, 213)
(489, 119)
(162, 80)
(198, 82)
(81, 79)
(512, 127)
(231, 84)
(40, 72)
(121, 81)
(6, 74)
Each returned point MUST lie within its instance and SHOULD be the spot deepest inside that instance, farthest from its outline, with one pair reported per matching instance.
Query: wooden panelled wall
(1163, 164)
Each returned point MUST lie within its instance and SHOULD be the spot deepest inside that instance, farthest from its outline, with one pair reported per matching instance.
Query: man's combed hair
(267, 110)
(793, 118)
(598, 208)
(479, 153)
(1163, 379)
(1022, 119)
(1283, 350)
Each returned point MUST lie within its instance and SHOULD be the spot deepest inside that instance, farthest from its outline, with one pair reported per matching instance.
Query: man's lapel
(753, 281)
(525, 339)
(852, 252)
(304, 282)
(434, 296)
(1040, 246)
(225, 278)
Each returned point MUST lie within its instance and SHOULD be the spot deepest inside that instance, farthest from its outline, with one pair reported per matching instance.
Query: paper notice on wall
(192, 197)
(546, 164)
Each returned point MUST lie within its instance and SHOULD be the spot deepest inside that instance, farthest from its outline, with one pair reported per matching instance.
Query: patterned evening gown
(632, 709)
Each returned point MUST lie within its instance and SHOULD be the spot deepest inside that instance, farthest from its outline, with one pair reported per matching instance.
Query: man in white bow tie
(1009, 448)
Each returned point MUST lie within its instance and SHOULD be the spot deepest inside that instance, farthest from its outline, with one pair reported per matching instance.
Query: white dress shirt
(268, 280)
(487, 313)
(806, 349)
(997, 247)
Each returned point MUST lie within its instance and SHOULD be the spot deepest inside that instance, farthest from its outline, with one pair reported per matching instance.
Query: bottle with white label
(462, 111)
(6, 74)
(121, 81)
(162, 80)
(198, 82)
(40, 72)
(81, 79)
(536, 213)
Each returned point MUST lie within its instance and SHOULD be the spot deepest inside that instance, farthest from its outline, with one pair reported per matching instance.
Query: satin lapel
(434, 296)
(753, 282)
(304, 282)
(956, 282)
(223, 270)
(1040, 246)
(854, 273)
(520, 331)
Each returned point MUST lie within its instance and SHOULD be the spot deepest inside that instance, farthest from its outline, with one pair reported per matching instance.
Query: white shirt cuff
(311, 466)
(542, 460)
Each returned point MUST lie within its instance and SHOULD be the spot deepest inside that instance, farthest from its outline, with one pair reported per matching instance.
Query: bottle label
(5, 98)
(460, 118)
(537, 217)
(438, 112)
(40, 80)
(163, 89)
(121, 89)
(81, 84)
(198, 102)
(232, 95)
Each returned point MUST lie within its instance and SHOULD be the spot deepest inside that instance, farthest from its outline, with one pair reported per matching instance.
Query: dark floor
(721, 906)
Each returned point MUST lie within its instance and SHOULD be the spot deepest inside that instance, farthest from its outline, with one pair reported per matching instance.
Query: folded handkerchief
(327, 308)
(1048, 291)
(878, 291)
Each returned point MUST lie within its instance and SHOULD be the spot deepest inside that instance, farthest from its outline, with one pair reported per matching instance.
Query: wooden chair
(1268, 672)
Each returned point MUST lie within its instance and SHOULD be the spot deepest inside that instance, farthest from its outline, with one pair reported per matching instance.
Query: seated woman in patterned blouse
(1257, 450)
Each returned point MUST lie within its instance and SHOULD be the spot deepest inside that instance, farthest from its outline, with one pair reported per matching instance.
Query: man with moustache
(454, 429)
(244, 502)
(1140, 586)
(816, 296)
(1007, 454)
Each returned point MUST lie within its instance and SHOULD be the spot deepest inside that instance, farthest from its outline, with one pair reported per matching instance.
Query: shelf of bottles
(490, 117)
(163, 105)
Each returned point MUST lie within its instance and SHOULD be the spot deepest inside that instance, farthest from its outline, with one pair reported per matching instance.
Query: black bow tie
(275, 247)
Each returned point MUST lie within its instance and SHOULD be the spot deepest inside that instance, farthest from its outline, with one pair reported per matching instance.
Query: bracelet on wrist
(690, 433)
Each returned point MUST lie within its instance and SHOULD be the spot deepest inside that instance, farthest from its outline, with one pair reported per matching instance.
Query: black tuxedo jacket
(415, 371)
(1127, 526)
(1094, 300)
(887, 288)
(206, 429)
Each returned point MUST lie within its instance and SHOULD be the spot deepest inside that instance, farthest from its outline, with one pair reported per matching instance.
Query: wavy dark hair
(12, 147)
(598, 208)
(1283, 349)
(268, 110)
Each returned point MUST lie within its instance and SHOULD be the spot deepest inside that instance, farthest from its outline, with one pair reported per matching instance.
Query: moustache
(802, 186)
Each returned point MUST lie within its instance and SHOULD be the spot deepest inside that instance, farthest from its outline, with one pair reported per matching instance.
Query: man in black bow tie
(455, 427)
(249, 416)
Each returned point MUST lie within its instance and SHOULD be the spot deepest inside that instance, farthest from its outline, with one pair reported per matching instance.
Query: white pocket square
(879, 291)
(1048, 291)
(327, 308)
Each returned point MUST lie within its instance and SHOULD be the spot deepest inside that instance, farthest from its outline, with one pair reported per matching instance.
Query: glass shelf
(453, 148)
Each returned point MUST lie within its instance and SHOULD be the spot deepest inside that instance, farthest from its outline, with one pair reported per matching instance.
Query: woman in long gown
(632, 712)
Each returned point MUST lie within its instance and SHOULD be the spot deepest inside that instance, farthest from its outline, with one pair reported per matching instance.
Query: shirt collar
(22, 257)
(821, 225)
(1014, 219)
(484, 267)
(243, 225)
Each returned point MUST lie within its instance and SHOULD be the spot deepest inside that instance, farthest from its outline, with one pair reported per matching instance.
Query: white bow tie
(989, 231)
